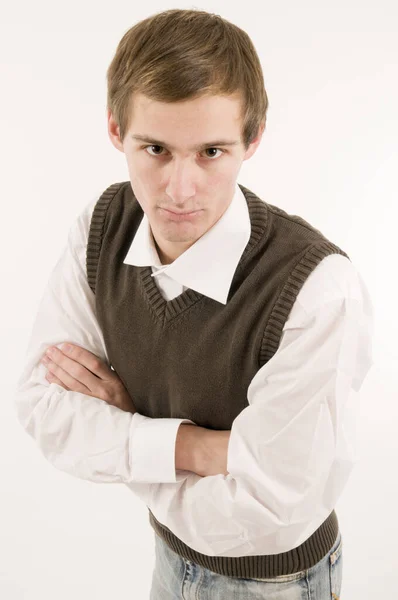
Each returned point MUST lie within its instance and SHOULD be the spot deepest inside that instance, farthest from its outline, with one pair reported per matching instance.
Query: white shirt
(291, 450)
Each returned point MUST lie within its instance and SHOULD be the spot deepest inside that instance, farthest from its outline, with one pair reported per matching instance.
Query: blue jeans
(175, 578)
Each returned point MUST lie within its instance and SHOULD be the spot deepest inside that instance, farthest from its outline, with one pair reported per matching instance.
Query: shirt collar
(208, 266)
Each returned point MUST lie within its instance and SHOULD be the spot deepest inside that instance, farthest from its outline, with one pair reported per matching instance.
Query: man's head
(185, 80)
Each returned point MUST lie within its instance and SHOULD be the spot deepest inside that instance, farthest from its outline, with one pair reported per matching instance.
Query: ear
(113, 131)
(255, 143)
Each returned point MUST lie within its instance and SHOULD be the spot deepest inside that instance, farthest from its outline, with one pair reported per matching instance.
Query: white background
(329, 154)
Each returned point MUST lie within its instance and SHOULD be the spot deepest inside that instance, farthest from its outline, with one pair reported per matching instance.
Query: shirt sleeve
(79, 434)
(292, 449)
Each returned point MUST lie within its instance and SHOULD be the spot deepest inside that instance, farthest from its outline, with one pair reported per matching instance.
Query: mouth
(179, 216)
(173, 212)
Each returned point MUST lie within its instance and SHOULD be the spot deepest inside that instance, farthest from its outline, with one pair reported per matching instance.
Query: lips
(180, 213)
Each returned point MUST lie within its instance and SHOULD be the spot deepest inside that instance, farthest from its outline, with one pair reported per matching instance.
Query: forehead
(210, 106)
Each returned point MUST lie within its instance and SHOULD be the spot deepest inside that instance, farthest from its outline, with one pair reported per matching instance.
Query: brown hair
(177, 55)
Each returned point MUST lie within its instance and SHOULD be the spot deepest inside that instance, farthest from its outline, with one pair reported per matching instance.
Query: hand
(79, 370)
(213, 453)
(203, 451)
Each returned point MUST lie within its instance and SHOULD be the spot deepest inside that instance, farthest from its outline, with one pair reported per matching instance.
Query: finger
(52, 379)
(66, 379)
(88, 359)
(76, 372)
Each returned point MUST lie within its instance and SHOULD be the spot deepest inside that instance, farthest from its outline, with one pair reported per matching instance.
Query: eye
(159, 154)
(153, 146)
(219, 150)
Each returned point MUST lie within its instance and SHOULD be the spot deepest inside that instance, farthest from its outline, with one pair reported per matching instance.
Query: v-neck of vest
(167, 309)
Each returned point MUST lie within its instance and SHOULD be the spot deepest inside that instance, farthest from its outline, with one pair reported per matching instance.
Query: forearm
(200, 450)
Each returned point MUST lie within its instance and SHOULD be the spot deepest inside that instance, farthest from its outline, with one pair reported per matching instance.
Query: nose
(181, 185)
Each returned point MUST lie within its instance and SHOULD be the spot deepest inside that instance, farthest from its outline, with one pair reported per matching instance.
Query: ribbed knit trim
(288, 295)
(263, 566)
(258, 212)
(164, 309)
(94, 241)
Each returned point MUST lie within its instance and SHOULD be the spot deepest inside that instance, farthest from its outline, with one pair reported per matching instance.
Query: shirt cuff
(152, 449)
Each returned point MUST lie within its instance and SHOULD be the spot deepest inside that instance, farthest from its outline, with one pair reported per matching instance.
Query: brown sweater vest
(204, 353)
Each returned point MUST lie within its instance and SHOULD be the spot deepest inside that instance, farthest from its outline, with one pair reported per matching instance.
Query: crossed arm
(200, 450)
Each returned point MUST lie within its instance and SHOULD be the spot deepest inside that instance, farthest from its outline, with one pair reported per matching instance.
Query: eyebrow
(149, 140)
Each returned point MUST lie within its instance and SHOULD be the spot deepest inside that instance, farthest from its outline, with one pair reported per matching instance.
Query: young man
(237, 333)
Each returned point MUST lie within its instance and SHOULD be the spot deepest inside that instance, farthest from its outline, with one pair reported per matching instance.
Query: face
(184, 173)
